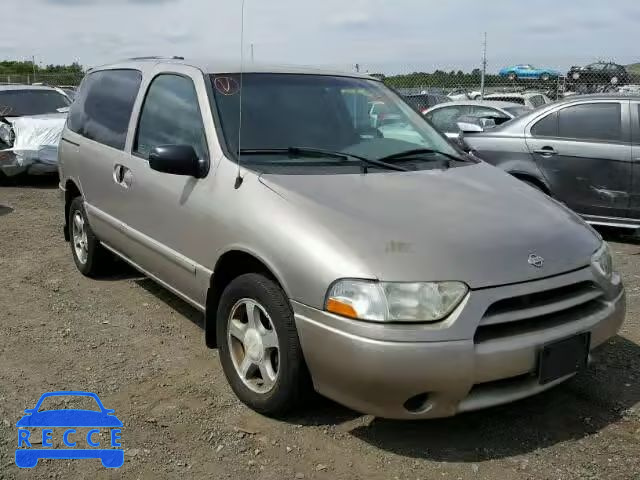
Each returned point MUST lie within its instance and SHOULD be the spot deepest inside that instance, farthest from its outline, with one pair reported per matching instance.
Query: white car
(529, 99)
(462, 94)
(445, 116)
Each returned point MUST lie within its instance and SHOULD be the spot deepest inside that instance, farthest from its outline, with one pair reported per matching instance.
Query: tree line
(16, 67)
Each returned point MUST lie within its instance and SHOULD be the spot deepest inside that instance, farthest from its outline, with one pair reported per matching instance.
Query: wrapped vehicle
(31, 122)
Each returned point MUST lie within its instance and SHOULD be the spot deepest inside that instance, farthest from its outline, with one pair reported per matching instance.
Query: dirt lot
(142, 351)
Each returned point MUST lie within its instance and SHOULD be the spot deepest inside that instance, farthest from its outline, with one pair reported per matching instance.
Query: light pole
(484, 65)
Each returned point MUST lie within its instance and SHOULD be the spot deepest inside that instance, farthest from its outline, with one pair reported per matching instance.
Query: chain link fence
(601, 77)
(517, 84)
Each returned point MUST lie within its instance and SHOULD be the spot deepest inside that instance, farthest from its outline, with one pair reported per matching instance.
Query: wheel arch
(71, 191)
(534, 179)
(230, 265)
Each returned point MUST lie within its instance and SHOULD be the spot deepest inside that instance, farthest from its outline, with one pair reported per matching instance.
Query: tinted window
(594, 121)
(171, 116)
(102, 108)
(547, 127)
(15, 103)
(445, 119)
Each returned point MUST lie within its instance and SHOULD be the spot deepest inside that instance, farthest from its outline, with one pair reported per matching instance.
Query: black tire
(98, 258)
(292, 382)
(512, 76)
(545, 77)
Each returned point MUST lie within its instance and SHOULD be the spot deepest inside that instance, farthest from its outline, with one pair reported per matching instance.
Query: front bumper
(10, 166)
(447, 367)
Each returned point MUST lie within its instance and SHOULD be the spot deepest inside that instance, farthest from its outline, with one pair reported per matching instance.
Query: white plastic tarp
(37, 138)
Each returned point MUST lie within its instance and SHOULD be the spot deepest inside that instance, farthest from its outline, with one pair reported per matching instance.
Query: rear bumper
(352, 363)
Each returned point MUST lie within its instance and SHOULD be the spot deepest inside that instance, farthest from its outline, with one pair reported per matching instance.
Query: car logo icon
(536, 260)
(27, 456)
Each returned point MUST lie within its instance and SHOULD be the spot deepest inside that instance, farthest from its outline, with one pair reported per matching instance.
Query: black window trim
(133, 152)
(624, 124)
(109, 69)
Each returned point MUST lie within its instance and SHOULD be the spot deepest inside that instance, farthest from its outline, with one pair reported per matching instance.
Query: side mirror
(468, 127)
(177, 160)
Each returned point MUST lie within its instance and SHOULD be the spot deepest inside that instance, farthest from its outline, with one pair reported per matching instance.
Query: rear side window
(171, 116)
(547, 127)
(592, 121)
(102, 108)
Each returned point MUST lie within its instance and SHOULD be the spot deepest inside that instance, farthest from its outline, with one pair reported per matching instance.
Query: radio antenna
(238, 176)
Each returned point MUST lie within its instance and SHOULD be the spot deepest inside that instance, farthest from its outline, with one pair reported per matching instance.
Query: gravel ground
(142, 351)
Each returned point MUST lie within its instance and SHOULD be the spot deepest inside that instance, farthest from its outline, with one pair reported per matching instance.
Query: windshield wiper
(420, 151)
(319, 153)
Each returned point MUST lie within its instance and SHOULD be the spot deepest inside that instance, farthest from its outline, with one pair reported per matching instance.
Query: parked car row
(334, 239)
(594, 73)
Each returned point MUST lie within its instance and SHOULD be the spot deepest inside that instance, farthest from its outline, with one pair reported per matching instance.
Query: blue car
(528, 72)
(27, 457)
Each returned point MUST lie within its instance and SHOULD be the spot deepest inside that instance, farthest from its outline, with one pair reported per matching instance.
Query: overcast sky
(381, 35)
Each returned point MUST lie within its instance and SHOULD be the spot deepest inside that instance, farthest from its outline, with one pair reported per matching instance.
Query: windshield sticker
(226, 85)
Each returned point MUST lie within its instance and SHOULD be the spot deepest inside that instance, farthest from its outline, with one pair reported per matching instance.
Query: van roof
(229, 66)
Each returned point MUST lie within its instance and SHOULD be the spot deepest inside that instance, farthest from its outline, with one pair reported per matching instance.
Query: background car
(599, 73)
(528, 99)
(18, 105)
(579, 150)
(528, 72)
(423, 101)
(463, 94)
(445, 116)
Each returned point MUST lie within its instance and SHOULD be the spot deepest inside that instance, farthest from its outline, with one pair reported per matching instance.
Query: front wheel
(512, 76)
(259, 347)
(545, 77)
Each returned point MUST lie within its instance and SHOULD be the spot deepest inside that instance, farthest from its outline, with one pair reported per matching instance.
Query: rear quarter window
(591, 122)
(103, 106)
(547, 127)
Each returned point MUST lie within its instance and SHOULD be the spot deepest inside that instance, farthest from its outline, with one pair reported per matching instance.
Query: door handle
(122, 175)
(546, 151)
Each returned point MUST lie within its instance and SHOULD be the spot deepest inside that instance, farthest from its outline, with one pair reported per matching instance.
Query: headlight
(394, 301)
(602, 261)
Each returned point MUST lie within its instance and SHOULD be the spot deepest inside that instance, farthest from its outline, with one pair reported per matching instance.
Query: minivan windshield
(17, 103)
(357, 117)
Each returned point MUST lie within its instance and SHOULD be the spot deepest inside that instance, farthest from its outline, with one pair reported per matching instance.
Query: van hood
(474, 224)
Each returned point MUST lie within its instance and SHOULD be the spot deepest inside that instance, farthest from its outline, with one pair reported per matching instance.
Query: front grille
(539, 311)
